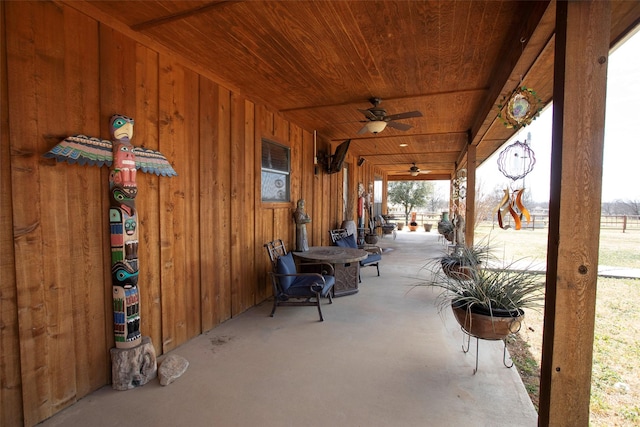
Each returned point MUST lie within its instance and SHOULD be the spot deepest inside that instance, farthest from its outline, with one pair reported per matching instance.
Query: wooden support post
(580, 74)
(470, 214)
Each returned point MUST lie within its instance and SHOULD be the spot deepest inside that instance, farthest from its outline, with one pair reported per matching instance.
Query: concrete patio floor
(383, 357)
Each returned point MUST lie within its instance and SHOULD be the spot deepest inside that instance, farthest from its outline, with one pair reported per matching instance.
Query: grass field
(615, 385)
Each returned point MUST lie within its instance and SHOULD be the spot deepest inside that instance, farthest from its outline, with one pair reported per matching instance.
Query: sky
(621, 168)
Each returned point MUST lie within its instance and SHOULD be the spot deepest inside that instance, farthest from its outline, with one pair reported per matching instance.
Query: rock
(171, 368)
(133, 367)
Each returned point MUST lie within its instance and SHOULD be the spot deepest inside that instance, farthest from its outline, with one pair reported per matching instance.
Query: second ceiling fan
(377, 119)
(415, 170)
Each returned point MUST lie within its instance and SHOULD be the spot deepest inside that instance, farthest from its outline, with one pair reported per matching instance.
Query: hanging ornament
(515, 162)
(520, 108)
(460, 185)
(511, 204)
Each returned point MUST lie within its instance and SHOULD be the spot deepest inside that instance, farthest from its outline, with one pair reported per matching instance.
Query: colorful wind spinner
(520, 108)
(515, 162)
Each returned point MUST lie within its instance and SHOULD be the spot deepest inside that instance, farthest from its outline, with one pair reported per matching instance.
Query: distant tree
(631, 207)
(437, 202)
(409, 194)
(486, 202)
(608, 208)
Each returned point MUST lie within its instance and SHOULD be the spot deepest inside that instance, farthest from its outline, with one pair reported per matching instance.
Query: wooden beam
(470, 214)
(180, 15)
(582, 47)
(535, 32)
(423, 177)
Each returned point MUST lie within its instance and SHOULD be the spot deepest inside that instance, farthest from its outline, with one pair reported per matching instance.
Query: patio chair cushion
(350, 242)
(286, 265)
(347, 242)
(371, 259)
(301, 286)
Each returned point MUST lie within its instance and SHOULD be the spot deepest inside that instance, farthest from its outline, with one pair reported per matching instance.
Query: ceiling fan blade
(368, 114)
(363, 130)
(399, 126)
(406, 115)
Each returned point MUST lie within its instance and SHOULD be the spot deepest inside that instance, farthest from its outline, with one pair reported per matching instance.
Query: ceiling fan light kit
(376, 126)
(377, 120)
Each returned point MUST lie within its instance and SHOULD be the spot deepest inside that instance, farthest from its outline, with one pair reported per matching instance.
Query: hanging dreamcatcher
(515, 162)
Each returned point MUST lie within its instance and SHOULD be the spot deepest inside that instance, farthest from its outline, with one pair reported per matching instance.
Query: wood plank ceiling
(318, 62)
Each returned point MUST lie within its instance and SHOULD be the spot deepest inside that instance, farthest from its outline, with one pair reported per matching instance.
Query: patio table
(345, 261)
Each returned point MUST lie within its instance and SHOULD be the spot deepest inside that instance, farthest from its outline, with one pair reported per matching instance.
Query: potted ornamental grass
(488, 302)
(462, 257)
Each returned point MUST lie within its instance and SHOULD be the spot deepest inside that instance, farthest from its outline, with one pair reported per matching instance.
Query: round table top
(333, 254)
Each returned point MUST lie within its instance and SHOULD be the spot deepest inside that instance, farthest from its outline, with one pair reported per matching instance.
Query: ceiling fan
(377, 119)
(415, 170)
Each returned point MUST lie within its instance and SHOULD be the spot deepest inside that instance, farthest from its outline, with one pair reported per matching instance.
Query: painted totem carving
(124, 160)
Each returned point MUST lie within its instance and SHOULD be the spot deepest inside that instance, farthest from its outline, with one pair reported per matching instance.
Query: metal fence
(538, 221)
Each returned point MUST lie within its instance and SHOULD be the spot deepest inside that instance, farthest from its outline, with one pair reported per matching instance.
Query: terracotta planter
(456, 271)
(400, 225)
(427, 227)
(489, 327)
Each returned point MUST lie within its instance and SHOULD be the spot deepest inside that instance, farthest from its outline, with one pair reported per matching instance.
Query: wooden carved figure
(301, 219)
(124, 160)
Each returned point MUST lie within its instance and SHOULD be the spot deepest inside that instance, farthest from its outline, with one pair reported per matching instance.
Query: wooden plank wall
(201, 251)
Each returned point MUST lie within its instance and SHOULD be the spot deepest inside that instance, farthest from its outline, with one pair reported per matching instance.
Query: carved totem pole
(124, 160)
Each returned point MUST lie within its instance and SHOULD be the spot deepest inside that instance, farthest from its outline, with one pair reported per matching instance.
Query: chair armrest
(373, 249)
(314, 287)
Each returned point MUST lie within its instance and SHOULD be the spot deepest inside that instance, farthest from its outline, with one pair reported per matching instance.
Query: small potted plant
(413, 225)
(461, 258)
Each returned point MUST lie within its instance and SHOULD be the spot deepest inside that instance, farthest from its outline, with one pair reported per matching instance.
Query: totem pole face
(121, 127)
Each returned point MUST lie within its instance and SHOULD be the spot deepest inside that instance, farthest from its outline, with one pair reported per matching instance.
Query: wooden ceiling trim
(182, 15)
(394, 159)
(629, 12)
(421, 177)
(480, 91)
(536, 29)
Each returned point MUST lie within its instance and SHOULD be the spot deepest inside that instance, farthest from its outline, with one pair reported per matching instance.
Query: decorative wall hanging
(520, 108)
(460, 185)
(124, 160)
(515, 162)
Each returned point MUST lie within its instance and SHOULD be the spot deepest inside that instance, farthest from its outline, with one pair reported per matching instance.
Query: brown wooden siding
(201, 251)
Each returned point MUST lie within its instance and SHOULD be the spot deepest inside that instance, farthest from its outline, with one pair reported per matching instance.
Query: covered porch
(382, 357)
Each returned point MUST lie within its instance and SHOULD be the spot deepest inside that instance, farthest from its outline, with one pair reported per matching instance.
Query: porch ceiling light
(376, 126)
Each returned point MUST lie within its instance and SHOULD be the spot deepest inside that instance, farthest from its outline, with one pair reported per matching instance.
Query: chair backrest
(275, 249)
(340, 237)
(338, 233)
